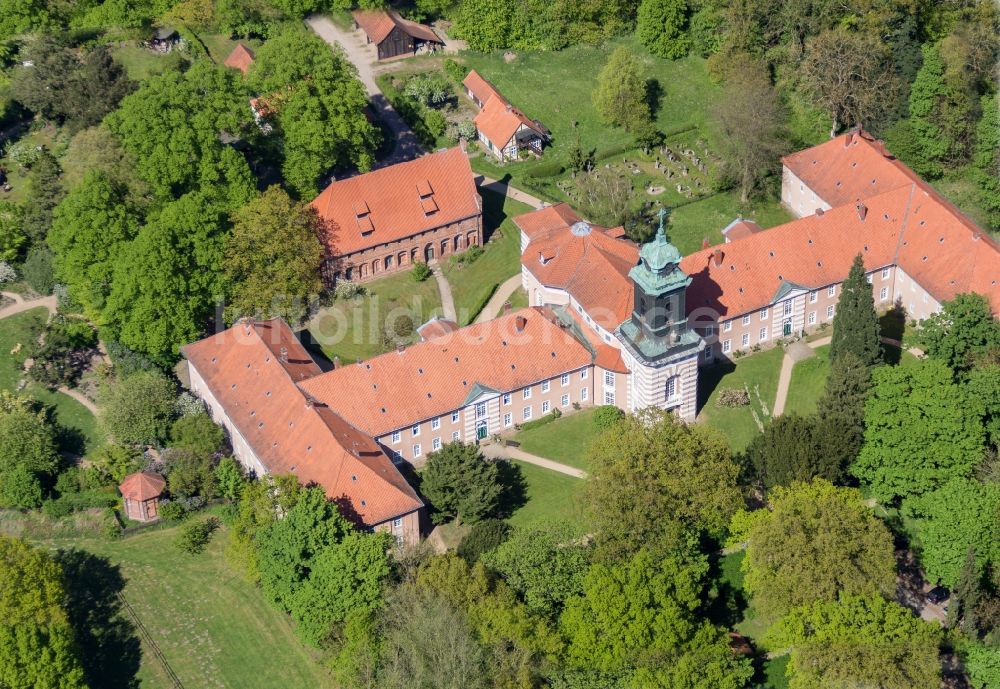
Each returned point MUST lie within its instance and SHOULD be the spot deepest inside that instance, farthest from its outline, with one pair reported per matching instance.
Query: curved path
(504, 188)
(499, 298)
(21, 304)
(447, 301)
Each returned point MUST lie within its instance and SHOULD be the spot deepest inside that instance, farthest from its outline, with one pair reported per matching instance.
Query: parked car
(938, 595)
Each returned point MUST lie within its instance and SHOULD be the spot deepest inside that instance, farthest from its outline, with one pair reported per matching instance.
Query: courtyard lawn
(472, 284)
(518, 300)
(352, 328)
(551, 496)
(692, 222)
(808, 382)
(759, 373)
(214, 628)
(565, 440)
(83, 434)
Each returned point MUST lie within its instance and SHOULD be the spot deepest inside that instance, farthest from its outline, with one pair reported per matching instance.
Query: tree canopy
(138, 409)
(28, 453)
(620, 95)
(855, 325)
(460, 483)
(654, 478)
(961, 331)
(661, 25)
(819, 541)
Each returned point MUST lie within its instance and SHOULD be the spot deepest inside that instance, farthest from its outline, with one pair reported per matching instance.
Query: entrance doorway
(786, 327)
(482, 429)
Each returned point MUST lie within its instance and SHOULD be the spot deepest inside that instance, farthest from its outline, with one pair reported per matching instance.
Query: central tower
(661, 351)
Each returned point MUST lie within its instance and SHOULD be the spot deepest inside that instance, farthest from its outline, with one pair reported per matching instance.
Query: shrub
(56, 509)
(420, 272)
(37, 270)
(431, 89)
(742, 524)
(483, 537)
(189, 405)
(172, 511)
(125, 361)
(548, 418)
(435, 123)
(112, 529)
(194, 536)
(467, 130)
(607, 416)
(23, 153)
(454, 70)
(733, 397)
(7, 272)
(346, 289)
(469, 255)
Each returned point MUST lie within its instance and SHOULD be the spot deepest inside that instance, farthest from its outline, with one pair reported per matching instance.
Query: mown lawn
(472, 284)
(692, 222)
(142, 64)
(759, 373)
(83, 433)
(215, 629)
(551, 496)
(808, 382)
(352, 328)
(518, 300)
(566, 440)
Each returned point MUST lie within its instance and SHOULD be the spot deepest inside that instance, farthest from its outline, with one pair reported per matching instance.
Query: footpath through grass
(472, 284)
(759, 373)
(566, 440)
(16, 333)
(215, 629)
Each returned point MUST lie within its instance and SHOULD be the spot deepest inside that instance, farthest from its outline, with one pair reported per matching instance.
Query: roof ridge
(903, 225)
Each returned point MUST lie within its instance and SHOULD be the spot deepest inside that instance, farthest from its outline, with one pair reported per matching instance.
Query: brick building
(384, 221)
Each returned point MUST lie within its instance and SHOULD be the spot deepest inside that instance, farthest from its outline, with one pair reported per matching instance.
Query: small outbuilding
(394, 36)
(142, 491)
(241, 58)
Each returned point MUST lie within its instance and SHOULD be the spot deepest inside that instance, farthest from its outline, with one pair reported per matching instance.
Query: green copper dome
(659, 253)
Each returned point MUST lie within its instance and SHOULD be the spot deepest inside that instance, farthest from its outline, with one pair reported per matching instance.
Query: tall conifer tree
(856, 327)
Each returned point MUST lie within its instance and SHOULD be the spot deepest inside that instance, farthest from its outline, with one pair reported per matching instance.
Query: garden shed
(142, 491)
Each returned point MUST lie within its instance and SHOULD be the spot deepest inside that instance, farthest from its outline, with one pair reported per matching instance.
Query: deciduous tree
(790, 449)
(653, 479)
(272, 258)
(819, 542)
(850, 76)
(859, 640)
(661, 26)
(961, 331)
(139, 408)
(12, 236)
(855, 325)
(37, 644)
(460, 484)
(28, 457)
(921, 430)
(620, 96)
(197, 433)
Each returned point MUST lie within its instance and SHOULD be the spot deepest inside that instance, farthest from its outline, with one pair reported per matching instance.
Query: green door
(786, 329)
(482, 428)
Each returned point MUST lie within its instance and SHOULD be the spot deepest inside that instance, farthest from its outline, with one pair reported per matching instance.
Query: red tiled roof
(431, 378)
(740, 228)
(394, 202)
(254, 371)
(499, 121)
(480, 87)
(547, 220)
(436, 327)
(592, 267)
(378, 24)
(142, 485)
(849, 167)
(241, 58)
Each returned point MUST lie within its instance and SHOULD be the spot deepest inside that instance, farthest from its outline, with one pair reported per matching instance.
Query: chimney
(862, 210)
(310, 403)
(509, 107)
(705, 243)
(519, 323)
(400, 348)
(819, 212)
(506, 306)
(336, 362)
(717, 257)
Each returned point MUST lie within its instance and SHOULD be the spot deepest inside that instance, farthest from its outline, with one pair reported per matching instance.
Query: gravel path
(496, 451)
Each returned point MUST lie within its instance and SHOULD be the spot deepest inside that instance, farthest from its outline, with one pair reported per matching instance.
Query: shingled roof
(434, 377)
(241, 58)
(142, 485)
(378, 24)
(398, 201)
(254, 371)
(498, 120)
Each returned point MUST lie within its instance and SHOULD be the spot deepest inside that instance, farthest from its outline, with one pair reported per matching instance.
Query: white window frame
(812, 318)
(583, 374)
(526, 393)
(869, 278)
(506, 399)
(727, 345)
(764, 313)
(831, 291)
(546, 407)
(609, 379)
(813, 296)
(564, 401)
(670, 389)
(436, 444)
(830, 311)
(545, 386)
(526, 413)
(786, 307)
(564, 379)
(746, 319)
(883, 294)
(454, 417)
(397, 436)
(745, 340)
(456, 436)
(885, 273)
(585, 394)
(417, 451)
(435, 423)
(727, 326)
(762, 335)
(508, 420)
(415, 430)
(482, 410)
(609, 397)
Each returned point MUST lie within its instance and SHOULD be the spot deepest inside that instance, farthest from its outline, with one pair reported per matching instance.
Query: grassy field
(141, 64)
(759, 372)
(808, 382)
(566, 440)
(473, 284)
(692, 222)
(49, 136)
(215, 629)
(351, 328)
(84, 434)
(551, 496)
